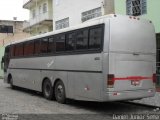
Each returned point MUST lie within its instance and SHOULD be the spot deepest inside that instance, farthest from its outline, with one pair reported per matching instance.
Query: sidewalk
(153, 101)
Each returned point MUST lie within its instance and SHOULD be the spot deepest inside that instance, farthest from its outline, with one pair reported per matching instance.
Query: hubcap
(47, 89)
(59, 91)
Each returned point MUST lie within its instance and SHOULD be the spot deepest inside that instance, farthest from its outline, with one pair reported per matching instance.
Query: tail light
(110, 81)
(154, 78)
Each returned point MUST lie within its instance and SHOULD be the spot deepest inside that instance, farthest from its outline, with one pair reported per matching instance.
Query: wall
(152, 11)
(63, 10)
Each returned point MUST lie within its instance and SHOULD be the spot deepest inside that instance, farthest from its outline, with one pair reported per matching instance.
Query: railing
(37, 19)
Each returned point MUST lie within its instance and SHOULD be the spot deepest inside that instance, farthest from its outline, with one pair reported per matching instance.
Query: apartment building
(148, 9)
(41, 16)
(10, 30)
(72, 12)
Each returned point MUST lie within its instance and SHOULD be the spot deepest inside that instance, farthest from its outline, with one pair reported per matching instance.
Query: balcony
(41, 19)
(29, 3)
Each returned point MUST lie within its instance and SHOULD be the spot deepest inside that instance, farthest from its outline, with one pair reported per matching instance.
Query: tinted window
(70, 41)
(51, 45)
(44, 44)
(82, 40)
(19, 50)
(29, 48)
(95, 38)
(60, 42)
(37, 47)
(12, 53)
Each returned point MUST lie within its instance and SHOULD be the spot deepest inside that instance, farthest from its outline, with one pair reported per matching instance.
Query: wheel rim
(47, 89)
(60, 91)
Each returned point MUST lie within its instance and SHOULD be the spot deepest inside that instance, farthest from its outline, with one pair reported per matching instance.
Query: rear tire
(47, 89)
(60, 94)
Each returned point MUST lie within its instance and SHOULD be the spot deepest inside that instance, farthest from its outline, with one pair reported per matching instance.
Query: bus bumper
(129, 95)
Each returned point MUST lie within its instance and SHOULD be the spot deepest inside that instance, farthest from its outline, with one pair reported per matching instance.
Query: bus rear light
(110, 81)
(154, 78)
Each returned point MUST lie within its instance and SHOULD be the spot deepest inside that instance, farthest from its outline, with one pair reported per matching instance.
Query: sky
(13, 8)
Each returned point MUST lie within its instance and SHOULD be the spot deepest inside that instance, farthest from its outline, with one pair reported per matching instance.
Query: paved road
(22, 101)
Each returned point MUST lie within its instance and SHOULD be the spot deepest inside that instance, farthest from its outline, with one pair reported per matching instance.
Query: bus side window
(19, 50)
(51, 45)
(44, 45)
(70, 41)
(12, 51)
(37, 45)
(95, 38)
(82, 39)
(29, 48)
(60, 42)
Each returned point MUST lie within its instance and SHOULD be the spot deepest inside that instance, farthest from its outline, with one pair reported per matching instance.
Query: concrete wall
(73, 9)
(18, 33)
(38, 24)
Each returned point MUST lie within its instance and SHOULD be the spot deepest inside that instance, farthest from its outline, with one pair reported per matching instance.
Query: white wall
(73, 9)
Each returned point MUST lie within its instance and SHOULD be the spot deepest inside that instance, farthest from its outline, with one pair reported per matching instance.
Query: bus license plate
(135, 82)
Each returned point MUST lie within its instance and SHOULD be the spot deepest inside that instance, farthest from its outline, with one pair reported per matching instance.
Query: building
(10, 30)
(41, 16)
(72, 12)
(148, 9)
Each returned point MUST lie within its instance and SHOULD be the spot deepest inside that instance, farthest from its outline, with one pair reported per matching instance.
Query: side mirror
(2, 63)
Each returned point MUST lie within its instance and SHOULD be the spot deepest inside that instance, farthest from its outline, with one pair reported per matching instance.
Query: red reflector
(115, 93)
(154, 78)
(110, 81)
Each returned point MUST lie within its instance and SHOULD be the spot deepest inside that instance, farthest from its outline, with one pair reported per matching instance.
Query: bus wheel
(47, 89)
(60, 92)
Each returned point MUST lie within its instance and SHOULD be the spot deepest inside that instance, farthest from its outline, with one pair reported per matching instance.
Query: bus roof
(94, 21)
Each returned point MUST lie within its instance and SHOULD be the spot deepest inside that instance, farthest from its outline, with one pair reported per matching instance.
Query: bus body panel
(132, 58)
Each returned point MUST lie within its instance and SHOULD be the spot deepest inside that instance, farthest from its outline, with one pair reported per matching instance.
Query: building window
(136, 7)
(6, 29)
(62, 23)
(91, 14)
(44, 7)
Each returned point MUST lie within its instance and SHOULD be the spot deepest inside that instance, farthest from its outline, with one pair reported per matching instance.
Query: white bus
(110, 58)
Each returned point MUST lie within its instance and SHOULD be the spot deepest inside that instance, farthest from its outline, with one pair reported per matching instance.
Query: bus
(110, 58)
